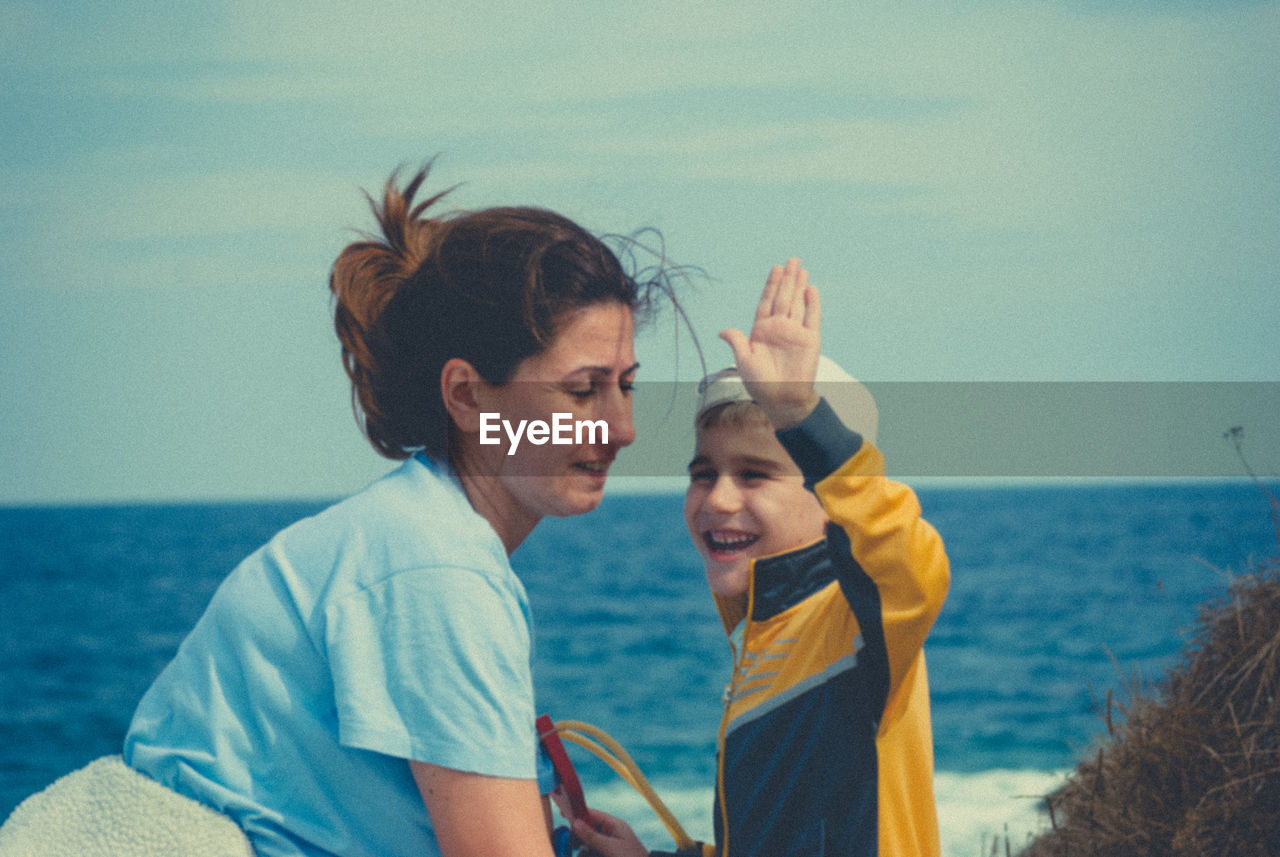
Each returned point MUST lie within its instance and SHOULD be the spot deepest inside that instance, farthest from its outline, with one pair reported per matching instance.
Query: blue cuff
(820, 444)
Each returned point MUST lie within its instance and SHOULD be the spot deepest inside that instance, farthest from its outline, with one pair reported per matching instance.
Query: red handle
(564, 767)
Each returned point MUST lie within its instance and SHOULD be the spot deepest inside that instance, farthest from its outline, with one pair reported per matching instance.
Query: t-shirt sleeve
(434, 665)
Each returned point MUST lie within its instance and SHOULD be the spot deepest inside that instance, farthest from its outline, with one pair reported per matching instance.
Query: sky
(1030, 195)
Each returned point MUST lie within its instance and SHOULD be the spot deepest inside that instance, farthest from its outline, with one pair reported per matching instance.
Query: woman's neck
(491, 499)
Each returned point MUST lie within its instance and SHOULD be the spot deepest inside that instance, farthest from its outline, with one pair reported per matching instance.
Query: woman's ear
(459, 386)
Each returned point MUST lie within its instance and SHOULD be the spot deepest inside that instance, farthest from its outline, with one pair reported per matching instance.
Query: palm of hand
(779, 349)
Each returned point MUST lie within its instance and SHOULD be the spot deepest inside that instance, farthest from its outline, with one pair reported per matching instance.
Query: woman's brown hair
(487, 286)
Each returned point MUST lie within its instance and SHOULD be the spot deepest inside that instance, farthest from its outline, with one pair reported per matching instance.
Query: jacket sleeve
(894, 550)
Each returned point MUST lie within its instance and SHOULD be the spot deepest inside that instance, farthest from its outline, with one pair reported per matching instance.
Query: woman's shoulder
(416, 516)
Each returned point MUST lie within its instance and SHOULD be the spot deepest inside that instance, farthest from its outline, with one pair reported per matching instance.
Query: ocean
(1061, 594)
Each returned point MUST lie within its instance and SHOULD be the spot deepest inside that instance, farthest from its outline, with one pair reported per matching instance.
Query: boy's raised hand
(779, 360)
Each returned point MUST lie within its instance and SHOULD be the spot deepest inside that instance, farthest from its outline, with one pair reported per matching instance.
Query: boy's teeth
(729, 541)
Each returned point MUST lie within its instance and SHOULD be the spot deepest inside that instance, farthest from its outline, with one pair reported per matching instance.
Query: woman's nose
(622, 428)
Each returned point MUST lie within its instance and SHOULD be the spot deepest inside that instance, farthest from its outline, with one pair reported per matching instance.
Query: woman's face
(585, 376)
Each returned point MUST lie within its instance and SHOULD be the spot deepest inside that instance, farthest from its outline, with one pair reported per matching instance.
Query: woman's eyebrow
(605, 370)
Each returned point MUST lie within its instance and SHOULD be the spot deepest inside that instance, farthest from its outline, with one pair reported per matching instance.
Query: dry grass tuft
(1192, 765)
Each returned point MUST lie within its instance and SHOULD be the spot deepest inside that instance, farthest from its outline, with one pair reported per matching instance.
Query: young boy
(827, 581)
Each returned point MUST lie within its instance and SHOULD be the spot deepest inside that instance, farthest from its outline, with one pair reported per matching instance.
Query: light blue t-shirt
(388, 627)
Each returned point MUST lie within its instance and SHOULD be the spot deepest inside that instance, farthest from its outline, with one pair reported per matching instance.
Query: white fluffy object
(107, 809)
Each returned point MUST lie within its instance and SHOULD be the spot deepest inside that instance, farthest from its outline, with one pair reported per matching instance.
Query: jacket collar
(778, 583)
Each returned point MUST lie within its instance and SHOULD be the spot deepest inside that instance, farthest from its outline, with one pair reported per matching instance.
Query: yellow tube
(612, 753)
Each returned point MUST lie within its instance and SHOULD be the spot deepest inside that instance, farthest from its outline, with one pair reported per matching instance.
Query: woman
(361, 684)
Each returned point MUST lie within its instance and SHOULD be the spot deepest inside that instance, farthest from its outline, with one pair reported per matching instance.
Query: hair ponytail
(366, 276)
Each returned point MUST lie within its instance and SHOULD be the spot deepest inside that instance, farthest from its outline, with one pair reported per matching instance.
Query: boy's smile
(723, 544)
(746, 499)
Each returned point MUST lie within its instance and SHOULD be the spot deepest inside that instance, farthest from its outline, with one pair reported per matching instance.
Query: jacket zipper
(739, 658)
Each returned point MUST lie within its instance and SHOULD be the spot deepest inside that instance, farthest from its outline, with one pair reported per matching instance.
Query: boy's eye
(702, 475)
(626, 387)
(583, 394)
(753, 475)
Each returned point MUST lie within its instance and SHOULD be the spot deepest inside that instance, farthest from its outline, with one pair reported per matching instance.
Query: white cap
(848, 397)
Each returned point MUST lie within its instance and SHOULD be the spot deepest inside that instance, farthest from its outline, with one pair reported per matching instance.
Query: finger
(812, 309)
(785, 293)
(561, 801)
(588, 835)
(601, 835)
(765, 307)
(799, 297)
(738, 341)
(603, 821)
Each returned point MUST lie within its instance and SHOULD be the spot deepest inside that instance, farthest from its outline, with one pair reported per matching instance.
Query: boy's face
(746, 499)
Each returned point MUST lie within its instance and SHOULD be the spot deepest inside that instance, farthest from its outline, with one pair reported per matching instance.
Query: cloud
(126, 226)
(1159, 8)
(234, 85)
(18, 21)
(1006, 117)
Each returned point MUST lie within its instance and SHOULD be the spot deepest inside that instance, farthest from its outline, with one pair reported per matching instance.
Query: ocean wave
(974, 809)
(979, 808)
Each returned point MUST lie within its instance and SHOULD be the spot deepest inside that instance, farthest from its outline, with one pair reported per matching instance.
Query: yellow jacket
(826, 745)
